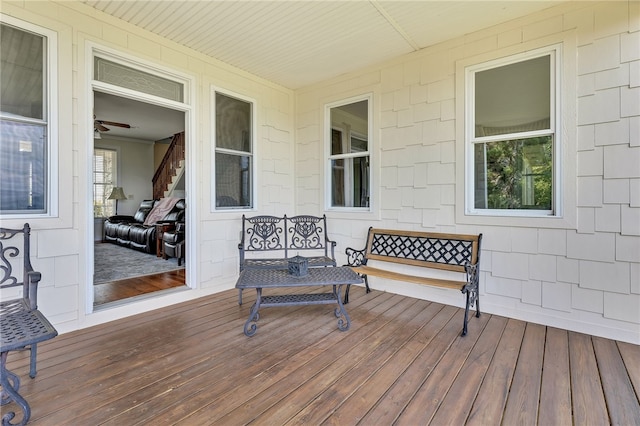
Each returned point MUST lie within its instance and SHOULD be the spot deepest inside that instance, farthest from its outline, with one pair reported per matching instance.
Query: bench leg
(466, 315)
(346, 291)
(239, 296)
(32, 365)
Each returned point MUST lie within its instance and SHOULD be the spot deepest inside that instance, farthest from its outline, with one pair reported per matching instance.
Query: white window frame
(555, 53)
(329, 158)
(50, 120)
(216, 150)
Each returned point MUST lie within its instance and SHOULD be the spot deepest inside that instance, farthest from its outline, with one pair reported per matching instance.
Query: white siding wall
(582, 275)
(60, 245)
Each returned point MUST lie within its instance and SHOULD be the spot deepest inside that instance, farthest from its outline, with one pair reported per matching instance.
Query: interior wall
(582, 273)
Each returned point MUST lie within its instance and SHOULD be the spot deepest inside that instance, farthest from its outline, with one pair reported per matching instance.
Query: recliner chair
(173, 242)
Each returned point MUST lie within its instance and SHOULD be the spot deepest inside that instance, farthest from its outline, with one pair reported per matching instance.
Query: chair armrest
(332, 244)
(354, 257)
(31, 288)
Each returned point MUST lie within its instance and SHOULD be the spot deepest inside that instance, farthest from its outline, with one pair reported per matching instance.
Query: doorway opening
(139, 199)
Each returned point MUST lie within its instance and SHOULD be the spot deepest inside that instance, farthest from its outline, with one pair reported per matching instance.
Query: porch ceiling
(299, 43)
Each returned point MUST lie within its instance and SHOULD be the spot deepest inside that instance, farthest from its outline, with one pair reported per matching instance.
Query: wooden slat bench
(457, 253)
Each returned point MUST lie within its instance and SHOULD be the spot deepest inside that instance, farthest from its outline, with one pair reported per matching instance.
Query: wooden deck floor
(402, 362)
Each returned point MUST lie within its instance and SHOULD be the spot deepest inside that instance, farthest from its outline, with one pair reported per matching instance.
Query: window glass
(104, 179)
(22, 76)
(234, 152)
(24, 128)
(131, 78)
(349, 155)
(513, 98)
(514, 146)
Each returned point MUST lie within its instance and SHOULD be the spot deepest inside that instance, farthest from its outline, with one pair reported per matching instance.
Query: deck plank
(333, 396)
(355, 407)
(267, 388)
(457, 403)
(396, 398)
(489, 404)
(555, 393)
(524, 396)
(297, 390)
(426, 401)
(631, 357)
(622, 401)
(587, 397)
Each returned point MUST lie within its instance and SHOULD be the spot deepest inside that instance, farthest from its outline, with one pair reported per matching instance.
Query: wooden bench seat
(458, 254)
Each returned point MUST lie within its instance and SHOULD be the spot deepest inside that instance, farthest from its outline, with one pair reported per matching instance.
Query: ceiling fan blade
(99, 127)
(113, 123)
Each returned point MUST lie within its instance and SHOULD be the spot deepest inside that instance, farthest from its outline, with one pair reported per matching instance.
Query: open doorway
(139, 199)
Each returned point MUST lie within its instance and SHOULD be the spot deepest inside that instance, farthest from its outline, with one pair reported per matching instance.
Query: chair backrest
(307, 233)
(263, 233)
(15, 244)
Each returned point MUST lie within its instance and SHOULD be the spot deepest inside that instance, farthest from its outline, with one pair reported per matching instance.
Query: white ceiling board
(299, 43)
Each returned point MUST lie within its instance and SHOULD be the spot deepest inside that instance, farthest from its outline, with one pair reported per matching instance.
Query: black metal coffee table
(274, 278)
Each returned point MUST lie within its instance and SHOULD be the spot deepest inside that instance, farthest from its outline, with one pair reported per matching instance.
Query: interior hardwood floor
(402, 362)
(132, 287)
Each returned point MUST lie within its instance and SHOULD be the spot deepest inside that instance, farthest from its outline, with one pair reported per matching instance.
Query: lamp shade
(117, 194)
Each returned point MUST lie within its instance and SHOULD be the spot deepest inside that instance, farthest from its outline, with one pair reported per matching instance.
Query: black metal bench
(456, 253)
(267, 242)
(22, 325)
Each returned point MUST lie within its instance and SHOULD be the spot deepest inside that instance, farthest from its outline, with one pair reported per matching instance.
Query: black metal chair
(10, 248)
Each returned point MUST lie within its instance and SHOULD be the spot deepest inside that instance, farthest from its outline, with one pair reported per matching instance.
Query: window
(348, 155)
(233, 152)
(25, 133)
(512, 144)
(105, 167)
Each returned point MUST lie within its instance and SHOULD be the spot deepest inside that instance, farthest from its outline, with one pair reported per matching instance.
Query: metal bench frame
(267, 242)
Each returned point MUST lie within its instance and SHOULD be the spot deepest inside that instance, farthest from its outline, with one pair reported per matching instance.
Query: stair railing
(168, 166)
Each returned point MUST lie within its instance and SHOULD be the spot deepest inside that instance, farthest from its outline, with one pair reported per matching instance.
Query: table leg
(10, 385)
(344, 322)
(250, 326)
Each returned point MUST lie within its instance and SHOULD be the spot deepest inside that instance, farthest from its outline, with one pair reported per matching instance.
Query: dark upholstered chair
(174, 243)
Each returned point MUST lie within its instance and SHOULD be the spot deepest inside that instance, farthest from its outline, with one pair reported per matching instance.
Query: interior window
(233, 153)
(24, 135)
(104, 180)
(513, 144)
(348, 159)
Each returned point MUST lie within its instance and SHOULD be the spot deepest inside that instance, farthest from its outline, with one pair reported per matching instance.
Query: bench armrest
(332, 245)
(354, 257)
(31, 288)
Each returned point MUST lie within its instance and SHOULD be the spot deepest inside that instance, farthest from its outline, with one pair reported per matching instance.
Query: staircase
(171, 168)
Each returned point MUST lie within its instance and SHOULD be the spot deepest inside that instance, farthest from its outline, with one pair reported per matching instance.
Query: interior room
(132, 144)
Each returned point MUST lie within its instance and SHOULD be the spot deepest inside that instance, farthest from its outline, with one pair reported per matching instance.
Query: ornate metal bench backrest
(11, 247)
(263, 233)
(307, 233)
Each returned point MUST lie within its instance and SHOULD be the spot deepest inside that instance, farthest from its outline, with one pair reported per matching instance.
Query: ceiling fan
(100, 125)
